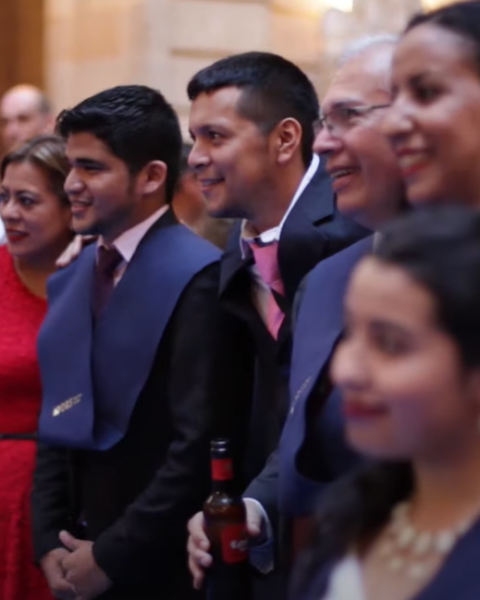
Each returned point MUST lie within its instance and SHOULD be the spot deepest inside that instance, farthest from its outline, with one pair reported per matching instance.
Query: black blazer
(313, 231)
(136, 497)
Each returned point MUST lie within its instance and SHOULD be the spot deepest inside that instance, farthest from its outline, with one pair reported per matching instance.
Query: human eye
(391, 342)
(425, 92)
(348, 114)
(214, 136)
(26, 201)
(3, 196)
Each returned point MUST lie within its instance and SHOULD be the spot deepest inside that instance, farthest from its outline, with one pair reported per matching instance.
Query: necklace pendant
(417, 571)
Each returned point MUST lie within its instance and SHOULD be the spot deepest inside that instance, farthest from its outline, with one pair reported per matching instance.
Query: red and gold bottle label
(235, 543)
(222, 469)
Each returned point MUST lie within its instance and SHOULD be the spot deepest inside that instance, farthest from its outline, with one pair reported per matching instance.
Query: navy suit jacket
(312, 452)
(182, 388)
(458, 579)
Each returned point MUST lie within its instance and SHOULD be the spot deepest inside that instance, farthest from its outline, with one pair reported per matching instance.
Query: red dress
(21, 314)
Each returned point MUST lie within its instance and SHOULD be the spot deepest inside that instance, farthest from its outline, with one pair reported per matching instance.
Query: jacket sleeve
(52, 494)
(209, 389)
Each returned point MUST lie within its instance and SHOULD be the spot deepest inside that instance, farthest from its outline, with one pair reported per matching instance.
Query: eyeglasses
(342, 118)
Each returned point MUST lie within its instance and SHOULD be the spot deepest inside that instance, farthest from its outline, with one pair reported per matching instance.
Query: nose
(73, 184)
(397, 120)
(325, 142)
(9, 210)
(349, 366)
(198, 157)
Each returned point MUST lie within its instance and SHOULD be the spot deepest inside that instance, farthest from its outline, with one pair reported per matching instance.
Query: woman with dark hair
(36, 214)
(407, 525)
(434, 121)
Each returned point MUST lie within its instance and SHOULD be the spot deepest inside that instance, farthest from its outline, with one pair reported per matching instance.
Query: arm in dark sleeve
(209, 392)
(52, 508)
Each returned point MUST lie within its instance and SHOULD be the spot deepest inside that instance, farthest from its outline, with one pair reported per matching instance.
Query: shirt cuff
(261, 547)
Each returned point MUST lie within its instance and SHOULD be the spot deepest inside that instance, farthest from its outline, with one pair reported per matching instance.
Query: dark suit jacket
(457, 579)
(137, 496)
(312, 452)
(313, 231)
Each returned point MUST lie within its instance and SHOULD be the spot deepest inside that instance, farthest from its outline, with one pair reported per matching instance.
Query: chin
(421, 194)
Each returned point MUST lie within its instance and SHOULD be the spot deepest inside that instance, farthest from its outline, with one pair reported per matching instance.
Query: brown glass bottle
(229, 578)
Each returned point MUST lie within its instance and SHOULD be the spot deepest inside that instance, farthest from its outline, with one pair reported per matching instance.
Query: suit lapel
(124, 344)
(64, 345)
(302, 244)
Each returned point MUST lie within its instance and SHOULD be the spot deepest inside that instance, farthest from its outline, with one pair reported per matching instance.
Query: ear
(153, 177)
(288, 139)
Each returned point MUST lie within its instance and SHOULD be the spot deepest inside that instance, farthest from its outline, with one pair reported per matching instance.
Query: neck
(34, 273)
(115, 230)
(269, 209)
(448, 490)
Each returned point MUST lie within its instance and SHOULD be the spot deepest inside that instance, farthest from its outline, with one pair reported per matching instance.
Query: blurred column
(21, 43)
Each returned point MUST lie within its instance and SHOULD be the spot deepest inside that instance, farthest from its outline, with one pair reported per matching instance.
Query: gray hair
(358, 47)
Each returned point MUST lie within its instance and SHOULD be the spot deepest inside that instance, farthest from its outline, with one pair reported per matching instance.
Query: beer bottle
(229, 578)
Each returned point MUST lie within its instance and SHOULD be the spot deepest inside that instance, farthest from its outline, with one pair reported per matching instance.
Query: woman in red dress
(36, 215)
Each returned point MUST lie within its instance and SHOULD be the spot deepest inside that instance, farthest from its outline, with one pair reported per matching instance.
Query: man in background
(25, 112)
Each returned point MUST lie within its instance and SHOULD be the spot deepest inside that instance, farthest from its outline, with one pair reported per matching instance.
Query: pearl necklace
(408, 550)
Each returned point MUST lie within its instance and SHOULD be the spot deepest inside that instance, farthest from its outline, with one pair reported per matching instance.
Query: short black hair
(273, 89)
(462, 18)
(136, 123)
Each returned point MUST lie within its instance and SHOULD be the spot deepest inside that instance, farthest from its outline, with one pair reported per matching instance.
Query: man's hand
(51, 565)
(198, 545)
(72, 251)
(81, 570)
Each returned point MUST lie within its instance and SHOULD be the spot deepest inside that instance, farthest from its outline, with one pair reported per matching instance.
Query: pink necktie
(267, 264)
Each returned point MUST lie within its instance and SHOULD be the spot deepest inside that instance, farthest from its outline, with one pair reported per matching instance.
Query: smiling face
(434, 119)
(234, 160)
(100, 187)
(363, 167)
(37, 222)
(406, 393)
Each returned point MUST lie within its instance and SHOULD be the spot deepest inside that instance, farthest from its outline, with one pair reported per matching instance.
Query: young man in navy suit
(366, 179)
(138, 364)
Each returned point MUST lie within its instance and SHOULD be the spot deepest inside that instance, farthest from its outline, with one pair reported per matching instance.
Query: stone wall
(94, 44)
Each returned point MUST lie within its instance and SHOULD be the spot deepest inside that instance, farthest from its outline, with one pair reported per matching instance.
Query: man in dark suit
(312, 450)
(252, 123)
(138, 364)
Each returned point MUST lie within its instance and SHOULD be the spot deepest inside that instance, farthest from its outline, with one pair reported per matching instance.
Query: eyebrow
(85, 162)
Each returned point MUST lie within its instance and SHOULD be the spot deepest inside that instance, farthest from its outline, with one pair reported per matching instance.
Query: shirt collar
(273, 234)
(128, 241)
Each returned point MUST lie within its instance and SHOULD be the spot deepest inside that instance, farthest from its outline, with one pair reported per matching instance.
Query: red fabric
(21, 314)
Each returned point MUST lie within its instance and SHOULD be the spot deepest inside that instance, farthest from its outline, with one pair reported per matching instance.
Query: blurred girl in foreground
(407, 526)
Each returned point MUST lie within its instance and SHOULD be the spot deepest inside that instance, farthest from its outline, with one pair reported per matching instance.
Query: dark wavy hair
(439, 247)
(462, 18)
